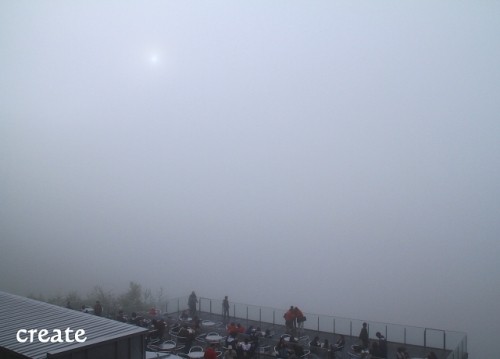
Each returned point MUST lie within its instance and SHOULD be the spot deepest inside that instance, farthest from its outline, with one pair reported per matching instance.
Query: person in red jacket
(240, 328)
(299, 317)
(289, 318)
(232, 329)
(210, 353)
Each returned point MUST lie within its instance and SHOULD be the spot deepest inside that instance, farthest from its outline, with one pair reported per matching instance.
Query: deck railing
(455, 342)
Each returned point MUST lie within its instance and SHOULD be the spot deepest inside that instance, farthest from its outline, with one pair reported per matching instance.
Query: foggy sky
(339, 156)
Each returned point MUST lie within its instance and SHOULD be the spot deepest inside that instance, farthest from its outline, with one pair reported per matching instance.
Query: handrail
(437, 330)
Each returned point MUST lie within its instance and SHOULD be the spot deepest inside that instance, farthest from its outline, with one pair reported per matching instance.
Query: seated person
(184, 315)
(339, 344)
(315, 342)
(382, 344)
(230, 353)
(250, 330)
(281, 349)
(240, 328)
(185, 336)
(402, 353)
(159, 326)
(254, 336)
(175, 329)
(254, 340)
(245, 349)
(210, 353)
(232, 340)
(231, 328)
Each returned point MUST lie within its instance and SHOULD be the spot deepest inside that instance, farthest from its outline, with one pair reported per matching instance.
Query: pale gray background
(339, 156)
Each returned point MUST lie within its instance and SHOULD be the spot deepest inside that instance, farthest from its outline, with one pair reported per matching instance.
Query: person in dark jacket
(363, 336)
(382, 345)
(192, 301)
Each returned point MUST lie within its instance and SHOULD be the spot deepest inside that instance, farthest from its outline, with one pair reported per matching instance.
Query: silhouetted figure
(225, 309)
(281, 349)
(159, 326)
(289, 319)
(299, 317)
(363, 336)
(339, 344)
(97, 308)
(382, 345)
(210, 353)
(192, 301)
(245, 349)
(315, 342)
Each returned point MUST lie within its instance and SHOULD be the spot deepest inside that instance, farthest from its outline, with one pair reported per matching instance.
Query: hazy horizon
(342, 156)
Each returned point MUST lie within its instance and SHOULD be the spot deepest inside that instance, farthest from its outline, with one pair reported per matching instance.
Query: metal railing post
(350, 329)
(405, 336)
(260, 316)
(425, 338)
(444, 340)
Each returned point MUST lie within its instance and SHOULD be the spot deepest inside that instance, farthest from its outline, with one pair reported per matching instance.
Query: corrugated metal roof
(18, 312)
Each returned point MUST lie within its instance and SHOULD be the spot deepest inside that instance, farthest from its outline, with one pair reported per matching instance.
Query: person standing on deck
(299, 317)
(225, 309)
(363, 336)
(192, 301)
(289, 319)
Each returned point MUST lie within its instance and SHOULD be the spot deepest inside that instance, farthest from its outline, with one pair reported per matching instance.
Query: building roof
(23, 313)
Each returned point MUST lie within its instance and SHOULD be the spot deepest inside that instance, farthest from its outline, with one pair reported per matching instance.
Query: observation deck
(418, 341)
